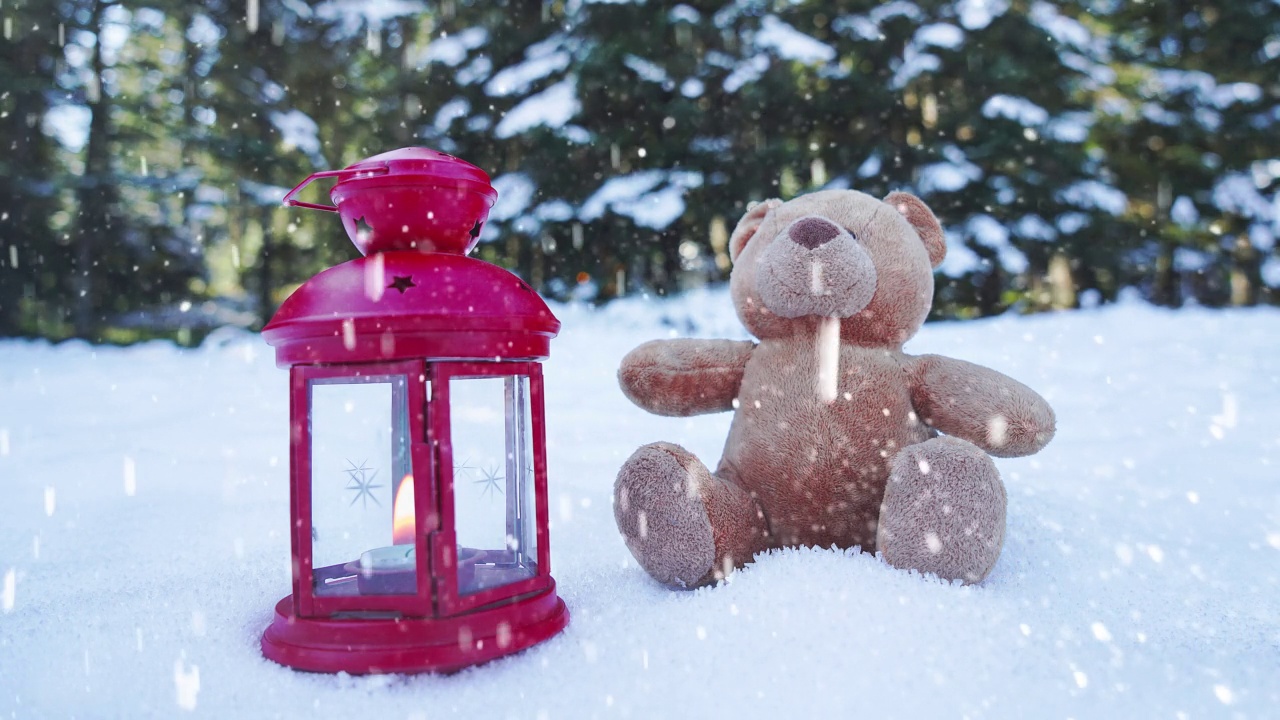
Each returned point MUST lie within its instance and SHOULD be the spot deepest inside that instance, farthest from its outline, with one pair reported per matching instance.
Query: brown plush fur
(819, 433)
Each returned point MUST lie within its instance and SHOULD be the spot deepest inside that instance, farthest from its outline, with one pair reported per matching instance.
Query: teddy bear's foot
(685, 526)
(943, 510)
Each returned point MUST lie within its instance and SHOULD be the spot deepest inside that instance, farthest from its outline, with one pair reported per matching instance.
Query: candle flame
(402, 516)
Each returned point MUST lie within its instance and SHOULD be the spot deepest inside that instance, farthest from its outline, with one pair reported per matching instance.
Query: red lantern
(417, 446)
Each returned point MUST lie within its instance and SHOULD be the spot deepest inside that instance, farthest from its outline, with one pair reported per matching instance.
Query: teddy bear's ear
(924, 221)
(747, 226)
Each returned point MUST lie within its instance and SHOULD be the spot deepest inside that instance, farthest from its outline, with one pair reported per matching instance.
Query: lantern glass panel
(362, 520)
(493, 481)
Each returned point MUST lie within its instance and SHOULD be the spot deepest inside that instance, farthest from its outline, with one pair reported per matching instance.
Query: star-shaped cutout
(491, 482)
(362, 484)
(475, 230)
(364, 230)
(402, 283)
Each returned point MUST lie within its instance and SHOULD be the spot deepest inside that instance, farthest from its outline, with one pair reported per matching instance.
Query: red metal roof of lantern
(418, 458)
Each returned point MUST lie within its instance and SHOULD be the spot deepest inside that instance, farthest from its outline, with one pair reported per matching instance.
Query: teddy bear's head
(836, 253)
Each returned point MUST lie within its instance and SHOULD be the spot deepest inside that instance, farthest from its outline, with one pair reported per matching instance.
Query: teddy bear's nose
(813, 232)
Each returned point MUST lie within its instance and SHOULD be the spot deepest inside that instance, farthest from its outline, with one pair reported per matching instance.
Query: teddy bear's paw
(943, 511)
(659, 509)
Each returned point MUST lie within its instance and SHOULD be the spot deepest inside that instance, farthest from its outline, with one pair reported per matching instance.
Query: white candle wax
(384, 559)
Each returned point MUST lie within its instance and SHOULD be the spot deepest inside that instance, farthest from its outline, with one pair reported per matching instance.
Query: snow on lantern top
(413, 198)
(415, 213)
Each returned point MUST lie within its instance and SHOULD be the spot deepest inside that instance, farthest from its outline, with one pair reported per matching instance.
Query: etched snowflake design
(491, 482)
(362, 484)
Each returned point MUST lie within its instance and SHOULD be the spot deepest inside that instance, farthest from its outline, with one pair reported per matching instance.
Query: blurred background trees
(1074, 149)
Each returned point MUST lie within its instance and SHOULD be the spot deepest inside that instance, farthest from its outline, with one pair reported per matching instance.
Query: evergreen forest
(1078, 151)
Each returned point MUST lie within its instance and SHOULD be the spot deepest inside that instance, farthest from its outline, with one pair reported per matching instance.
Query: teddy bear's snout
(813, 232)
(815, 267)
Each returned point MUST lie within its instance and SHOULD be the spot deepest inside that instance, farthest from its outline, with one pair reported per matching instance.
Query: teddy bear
(839, 438)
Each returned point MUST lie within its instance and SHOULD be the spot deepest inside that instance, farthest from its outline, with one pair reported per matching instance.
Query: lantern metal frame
(443, 316)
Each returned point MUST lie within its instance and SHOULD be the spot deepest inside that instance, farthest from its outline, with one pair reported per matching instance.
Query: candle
(388, 559)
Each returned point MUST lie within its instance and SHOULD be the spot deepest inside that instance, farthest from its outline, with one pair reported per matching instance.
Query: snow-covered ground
(143, 511)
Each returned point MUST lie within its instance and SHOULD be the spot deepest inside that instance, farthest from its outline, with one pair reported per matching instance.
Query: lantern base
(362, 645)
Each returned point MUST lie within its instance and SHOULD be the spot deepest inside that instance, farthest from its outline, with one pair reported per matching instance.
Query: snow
(453, 49)
(1094, 194)
(1190, 260)
(69, 124)
(949, 176)
(552, 107)
(554, 211)
(453, 110)
(1035, 228)
(1184, 212)
(943, 35)
(1071, 127)
(684, 13)
(960, 259)
(646, 69)
(1236, 193)
(297, 130)
(1271, 271)
(870, 166)
(894, 9)
(791, 44)
(1060, 27)
(356, 14)
(857, 27)
(977, 14)
(1017, 109)
(475, 71)
(991, 233)
(541, 60)
(145, 541)
(515, 190)
(913, 63)
(637, 196)
(692, 88)
(746, 72)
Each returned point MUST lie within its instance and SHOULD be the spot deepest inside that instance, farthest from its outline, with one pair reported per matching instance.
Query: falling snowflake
(362, 478)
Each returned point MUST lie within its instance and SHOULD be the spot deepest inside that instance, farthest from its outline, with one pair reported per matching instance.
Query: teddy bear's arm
(993, 411)
(684, 377)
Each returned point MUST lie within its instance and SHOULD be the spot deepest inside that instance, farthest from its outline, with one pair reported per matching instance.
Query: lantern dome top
(409, 304)
(414, 198)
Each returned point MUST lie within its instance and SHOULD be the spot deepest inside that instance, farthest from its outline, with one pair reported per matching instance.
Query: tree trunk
(1246, 273)
(98, 192)
(1164, 287)
(1062, 288)
(266, 278)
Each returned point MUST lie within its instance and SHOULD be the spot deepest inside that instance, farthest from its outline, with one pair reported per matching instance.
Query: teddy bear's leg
(943, 510)
(685, 526)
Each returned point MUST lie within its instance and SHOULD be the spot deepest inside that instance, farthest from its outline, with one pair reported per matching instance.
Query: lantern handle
(343, 176)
